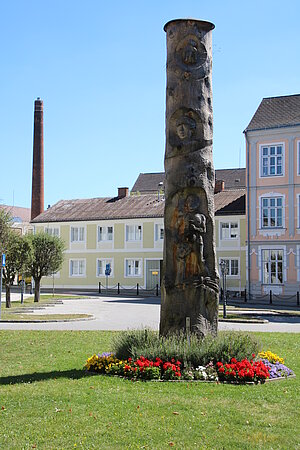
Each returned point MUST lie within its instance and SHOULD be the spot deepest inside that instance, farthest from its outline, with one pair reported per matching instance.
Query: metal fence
(262, 300)
(135, 290)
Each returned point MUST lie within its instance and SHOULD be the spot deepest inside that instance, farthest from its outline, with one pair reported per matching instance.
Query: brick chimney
(219, 186)
(123, 192)
(37, 196)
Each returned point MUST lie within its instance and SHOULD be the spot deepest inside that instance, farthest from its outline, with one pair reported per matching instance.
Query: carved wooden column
(190, 285)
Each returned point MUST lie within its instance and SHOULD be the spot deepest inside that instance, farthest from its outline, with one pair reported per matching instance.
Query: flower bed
(238, 372)
(243, 371)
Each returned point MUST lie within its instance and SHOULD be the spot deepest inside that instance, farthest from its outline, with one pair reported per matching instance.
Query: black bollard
(99, 287)
(271, 300)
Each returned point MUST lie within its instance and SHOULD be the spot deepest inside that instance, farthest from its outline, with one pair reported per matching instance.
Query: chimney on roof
(123, 192)
(37, 196)
(219, 186)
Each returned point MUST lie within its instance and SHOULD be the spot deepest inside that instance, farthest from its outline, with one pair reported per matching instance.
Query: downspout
(248, 211)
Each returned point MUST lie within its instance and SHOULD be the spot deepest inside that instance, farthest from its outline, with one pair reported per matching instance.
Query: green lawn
(48, 402)
(22, 312)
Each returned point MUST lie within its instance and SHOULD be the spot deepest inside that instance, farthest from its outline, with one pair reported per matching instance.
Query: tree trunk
(7, 289)
(37, 284)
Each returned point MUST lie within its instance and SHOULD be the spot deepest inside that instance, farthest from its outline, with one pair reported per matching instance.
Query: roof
(230, 202)
(149, 182)
(134, 206)
(18, 213)
(276, 112)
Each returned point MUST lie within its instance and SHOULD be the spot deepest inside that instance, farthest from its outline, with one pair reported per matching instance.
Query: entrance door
(152, 273)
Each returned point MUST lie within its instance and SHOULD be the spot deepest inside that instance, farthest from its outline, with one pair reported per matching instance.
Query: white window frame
(298, 157)
(230, 223)
(230, 260)
(80, 230)
(136, 235)
(159, 232)
(134, 261)
(269, 207)
(104, 261)
(105, 234)
(52, 230)
(269, 250)
(269, 156)
(82, 261)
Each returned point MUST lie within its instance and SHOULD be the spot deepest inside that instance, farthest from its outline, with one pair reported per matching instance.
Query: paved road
(121, 313)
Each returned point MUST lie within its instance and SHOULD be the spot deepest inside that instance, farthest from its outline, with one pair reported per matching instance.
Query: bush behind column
(193, 351)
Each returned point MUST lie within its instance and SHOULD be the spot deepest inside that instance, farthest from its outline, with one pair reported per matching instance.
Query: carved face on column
(185, 128)
(185, 131)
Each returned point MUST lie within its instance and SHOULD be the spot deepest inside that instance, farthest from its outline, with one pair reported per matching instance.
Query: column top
(202, 23)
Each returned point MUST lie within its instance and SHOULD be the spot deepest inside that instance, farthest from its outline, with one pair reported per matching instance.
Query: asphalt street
(121, 313)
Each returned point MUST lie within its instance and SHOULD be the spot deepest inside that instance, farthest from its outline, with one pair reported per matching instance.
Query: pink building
(273, 197)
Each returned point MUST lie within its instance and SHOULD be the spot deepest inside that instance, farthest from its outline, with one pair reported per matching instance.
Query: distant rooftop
(149, 182)
(276, 112)
(18, 213)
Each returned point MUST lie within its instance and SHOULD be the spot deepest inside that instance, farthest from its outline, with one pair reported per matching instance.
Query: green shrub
(192, 351)
(124, 344)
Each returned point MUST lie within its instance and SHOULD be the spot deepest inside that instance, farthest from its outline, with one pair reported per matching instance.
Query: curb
(82, 319)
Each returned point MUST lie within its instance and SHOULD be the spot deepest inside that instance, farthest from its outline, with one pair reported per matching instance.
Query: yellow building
(123, 236)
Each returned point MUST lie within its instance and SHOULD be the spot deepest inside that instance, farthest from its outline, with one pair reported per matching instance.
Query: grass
(21, 312)
(48, 402)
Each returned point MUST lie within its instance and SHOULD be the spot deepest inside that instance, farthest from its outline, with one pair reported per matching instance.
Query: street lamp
(223, 266)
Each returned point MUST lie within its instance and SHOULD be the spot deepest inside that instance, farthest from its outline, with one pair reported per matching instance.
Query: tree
(46, 258)
(5, 225)
(17, 251)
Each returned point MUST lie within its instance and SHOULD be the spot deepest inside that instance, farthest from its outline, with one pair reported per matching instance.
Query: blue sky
(100, 69)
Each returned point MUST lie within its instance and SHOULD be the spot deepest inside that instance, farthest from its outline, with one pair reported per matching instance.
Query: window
(77, 234)
(272, 266)
(133, 267)
(101, 267)
(52, 231)
(159, 232)
(272, 211)
(229, 230)
(105, 234)
(77, 267)
(271, 160)
(232, 267)
(133, 232)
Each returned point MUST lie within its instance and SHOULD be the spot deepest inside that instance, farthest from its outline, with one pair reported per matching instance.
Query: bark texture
(190, 284)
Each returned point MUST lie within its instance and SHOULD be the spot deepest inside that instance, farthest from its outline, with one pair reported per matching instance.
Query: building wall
(232, 247)
(121, 252)
(270, 241)
(149, 251)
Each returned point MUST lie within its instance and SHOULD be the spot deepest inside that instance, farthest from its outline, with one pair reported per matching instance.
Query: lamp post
(224, 273)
